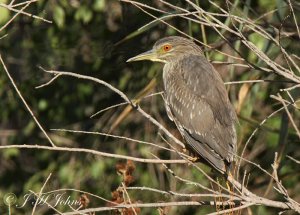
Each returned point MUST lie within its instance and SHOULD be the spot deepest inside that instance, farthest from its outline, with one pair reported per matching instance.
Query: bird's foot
(193, 159)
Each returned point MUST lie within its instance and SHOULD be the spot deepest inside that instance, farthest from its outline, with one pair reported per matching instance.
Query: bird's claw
(193, 159)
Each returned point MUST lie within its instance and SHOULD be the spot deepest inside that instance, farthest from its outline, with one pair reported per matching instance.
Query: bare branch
(94, 152)
(12, 8)
(152, 205)
(118, 137)
(138, 108)
(293, 159)
(279, 98)
(40, 193)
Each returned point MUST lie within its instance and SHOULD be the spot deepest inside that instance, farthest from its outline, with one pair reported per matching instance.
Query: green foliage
(96, 169)
(4, 13)
(99, 5)
(10, 153)
(59, 16)
(84, 14)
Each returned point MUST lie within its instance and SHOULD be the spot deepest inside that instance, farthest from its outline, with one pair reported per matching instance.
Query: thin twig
(279, 98)
(11, 8)
(114, 136)
(123, 96)
(45, 201)
(293, 159)
(25, 103)
(94, 152)
(231, 210)
(149, 205)
(40, 193)
(15, 16)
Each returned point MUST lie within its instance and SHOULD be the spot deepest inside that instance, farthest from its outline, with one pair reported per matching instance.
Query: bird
(196, 100)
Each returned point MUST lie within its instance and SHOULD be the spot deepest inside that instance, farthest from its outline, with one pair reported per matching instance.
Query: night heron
(196, 100)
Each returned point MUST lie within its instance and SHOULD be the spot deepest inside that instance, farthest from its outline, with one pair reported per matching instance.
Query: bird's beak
(148, 55)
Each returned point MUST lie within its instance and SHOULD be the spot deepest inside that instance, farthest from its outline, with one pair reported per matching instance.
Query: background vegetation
(95, 38)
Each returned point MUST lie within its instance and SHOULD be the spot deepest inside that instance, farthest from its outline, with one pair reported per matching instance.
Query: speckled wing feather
(199, 105)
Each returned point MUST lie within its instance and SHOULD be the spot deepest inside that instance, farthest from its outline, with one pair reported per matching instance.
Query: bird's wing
(205, 82)
(200, 108)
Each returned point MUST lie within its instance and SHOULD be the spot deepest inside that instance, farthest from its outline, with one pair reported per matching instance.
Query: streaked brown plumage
(196, 100)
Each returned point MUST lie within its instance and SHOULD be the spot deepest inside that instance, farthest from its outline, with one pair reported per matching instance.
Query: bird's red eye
(167, 48)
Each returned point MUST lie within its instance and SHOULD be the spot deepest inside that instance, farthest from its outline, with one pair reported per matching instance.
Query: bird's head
(168, 49)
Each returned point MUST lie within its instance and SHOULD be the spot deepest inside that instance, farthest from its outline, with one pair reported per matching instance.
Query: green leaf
(99, 5)
(281, 6)
(59, 16)
(297, 104)
(11, 153)
(43, 104)
(267, 5)
(97, 168)
(4, 13)
(66, 174)
(124, 81)
(29, 128)
(84, 14)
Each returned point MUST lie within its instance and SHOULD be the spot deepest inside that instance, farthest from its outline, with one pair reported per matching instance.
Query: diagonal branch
(25, 103)
(120, 93)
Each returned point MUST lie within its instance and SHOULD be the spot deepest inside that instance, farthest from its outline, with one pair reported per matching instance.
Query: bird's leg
(229, 175)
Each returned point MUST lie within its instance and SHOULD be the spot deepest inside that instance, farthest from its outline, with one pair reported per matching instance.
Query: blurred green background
(95, 38)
